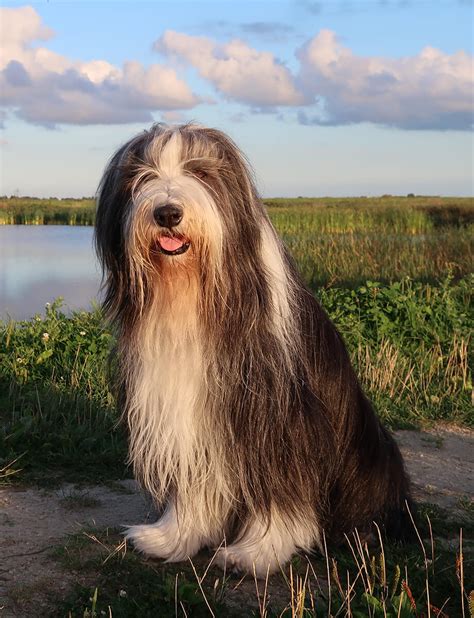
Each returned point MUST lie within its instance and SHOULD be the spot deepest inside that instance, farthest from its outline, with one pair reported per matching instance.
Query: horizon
(268, 197)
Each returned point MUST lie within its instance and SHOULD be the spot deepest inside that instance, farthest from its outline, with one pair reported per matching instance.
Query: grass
(395, 275)
(349, 259)
(53, 211)
(56, 409)
(408, 340)
(427, 578)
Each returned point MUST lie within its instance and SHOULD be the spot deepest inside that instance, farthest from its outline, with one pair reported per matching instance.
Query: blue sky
(337, 97)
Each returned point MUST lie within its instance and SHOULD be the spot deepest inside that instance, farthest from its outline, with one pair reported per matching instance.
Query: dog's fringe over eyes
(247, 422)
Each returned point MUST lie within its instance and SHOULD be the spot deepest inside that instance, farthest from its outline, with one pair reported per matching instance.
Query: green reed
(351, 258)
(35, 211)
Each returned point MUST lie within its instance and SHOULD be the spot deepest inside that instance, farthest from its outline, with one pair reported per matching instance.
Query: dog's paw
(239, 559)
(153, 540)
(162, 541)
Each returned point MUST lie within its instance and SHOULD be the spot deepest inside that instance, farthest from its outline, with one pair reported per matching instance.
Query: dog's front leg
(168, 538)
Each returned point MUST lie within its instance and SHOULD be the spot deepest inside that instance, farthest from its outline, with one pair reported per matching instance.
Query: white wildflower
(45, 337)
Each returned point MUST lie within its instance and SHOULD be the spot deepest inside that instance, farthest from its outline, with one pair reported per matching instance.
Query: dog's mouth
(173, 245)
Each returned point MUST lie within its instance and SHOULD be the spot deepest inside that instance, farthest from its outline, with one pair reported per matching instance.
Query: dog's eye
(200, 174)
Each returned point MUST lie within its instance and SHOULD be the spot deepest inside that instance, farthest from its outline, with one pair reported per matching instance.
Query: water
(38, 263)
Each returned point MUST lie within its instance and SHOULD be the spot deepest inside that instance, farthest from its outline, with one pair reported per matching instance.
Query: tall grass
(348, 259)
(53, 211)
(389, 214)
(347, 241)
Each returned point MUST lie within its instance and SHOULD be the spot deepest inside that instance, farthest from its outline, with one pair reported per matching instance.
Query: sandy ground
(32, 521)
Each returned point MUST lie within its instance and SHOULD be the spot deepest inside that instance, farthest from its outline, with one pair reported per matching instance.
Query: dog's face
(174, 199)
(173, 207)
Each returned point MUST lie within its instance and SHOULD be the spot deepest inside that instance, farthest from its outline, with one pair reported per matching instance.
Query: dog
(247, 423)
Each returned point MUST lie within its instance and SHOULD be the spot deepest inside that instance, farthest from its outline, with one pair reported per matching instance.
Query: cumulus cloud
(47, 88)
(431, 90)
(332, 86)
(235, 69)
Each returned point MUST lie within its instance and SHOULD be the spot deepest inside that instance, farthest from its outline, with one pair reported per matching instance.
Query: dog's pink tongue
(170, 244)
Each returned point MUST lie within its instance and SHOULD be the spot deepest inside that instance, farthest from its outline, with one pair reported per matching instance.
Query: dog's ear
(113, 202)
(113, 197)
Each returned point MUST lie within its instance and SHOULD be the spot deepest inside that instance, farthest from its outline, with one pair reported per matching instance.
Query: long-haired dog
(247, 422)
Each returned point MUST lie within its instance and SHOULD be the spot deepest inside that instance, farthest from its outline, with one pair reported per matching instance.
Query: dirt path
(32, 521)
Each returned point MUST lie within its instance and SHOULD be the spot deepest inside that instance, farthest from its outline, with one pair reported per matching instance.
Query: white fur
(264, 548)
(280, 287)
(166, 539)
(171, 442)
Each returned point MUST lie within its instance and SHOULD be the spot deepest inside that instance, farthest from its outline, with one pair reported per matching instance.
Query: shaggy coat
(247, 422)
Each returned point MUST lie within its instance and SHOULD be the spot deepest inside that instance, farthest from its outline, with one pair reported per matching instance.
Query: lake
(38, 263)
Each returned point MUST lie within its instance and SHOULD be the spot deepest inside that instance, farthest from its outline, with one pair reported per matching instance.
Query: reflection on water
(40, 263)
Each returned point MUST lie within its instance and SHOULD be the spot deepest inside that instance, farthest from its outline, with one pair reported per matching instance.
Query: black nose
(168, 215)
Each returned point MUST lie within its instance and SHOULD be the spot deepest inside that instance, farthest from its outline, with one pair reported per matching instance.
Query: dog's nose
(168, 215)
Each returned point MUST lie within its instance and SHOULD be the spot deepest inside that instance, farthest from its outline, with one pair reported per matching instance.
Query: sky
(335, 97)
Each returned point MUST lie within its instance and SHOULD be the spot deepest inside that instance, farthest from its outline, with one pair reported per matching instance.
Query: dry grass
(360, 580)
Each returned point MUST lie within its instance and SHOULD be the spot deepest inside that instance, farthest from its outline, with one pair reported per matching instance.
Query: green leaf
(44, 355)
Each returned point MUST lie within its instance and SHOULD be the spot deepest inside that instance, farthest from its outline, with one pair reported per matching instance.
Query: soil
(33, 521)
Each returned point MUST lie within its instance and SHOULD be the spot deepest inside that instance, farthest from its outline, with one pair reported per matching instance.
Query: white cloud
(47, 88)
(431, 90)
(333, 86)
(235, 69)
